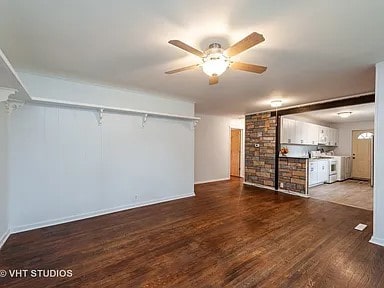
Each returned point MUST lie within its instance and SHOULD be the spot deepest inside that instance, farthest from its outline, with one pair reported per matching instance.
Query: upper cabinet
(298, 132)
(288, 131)
(306, 133)
(328, 136)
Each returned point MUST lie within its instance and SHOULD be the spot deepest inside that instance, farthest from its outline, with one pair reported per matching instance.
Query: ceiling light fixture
(276, 103)
(344, 114)
(215, 63)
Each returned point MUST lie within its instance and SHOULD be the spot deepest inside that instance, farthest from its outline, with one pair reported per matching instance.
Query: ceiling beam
(370, 98)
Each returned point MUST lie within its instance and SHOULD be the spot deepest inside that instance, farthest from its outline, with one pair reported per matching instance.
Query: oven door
(332, 167)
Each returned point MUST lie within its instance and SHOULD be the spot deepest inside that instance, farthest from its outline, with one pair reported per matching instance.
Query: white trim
(4, 237)
(111, 109)
(260, 186)
(294, 193)
(212, 180)
(82, 216)
(280, 190)
(23, 92)
(377, 241)
(5, 93)
(311, 103)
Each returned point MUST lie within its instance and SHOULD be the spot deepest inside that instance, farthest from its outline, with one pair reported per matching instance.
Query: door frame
(230, 150)
(242, 164)
(371, 155)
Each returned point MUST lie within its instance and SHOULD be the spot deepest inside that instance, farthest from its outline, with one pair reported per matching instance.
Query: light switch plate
(361, 227)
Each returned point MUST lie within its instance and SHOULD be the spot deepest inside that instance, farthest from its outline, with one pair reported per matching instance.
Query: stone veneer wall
(293, 174)
(260, 162)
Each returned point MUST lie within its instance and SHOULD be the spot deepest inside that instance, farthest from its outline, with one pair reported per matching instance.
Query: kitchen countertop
(293, 157)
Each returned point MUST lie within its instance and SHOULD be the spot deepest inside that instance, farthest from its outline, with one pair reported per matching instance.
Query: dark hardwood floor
(226, 236)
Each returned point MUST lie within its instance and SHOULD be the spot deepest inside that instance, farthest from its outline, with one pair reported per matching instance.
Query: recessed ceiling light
(344, 114)
(276, 103)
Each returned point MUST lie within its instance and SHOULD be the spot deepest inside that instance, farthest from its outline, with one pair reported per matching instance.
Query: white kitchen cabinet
(313, 133)
(323, 171)
(300, 137)
(334, 137)
(304, 133)
(313, 173)
(288, 131)
(328, 136)
(323, 135)
(318, 172)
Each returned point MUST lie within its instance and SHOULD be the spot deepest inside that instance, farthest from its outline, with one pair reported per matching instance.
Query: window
(365, 135)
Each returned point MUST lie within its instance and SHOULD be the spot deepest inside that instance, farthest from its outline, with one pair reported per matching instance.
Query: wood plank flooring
(226, 236)
(353, 193)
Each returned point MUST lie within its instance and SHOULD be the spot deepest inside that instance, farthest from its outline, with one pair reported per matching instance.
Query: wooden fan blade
(182, 69)
(248, 42)
(186, 47)
(214, 79)
(248, 67)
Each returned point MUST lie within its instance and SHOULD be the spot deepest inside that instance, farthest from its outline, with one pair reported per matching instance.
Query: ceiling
(314, 50)
(362, 112)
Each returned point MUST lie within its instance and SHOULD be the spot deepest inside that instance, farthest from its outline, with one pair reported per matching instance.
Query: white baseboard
(4, 237)
(280, 190)
(212, 180)
(22, 228)
(259, 186)
(377, 241)
(294, 193)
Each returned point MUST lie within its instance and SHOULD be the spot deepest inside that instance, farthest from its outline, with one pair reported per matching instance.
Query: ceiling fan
(216, 60)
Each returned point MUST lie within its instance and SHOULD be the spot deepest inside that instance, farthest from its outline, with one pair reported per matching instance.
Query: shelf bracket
(12, 105)
(5, 93)
(145, 118)
(194, 123)
(101, 115)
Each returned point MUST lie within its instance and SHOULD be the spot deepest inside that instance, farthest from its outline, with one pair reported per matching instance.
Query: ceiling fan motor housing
(214, 48)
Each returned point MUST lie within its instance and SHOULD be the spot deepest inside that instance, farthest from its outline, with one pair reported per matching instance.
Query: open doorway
(235, 152)
(338, 145)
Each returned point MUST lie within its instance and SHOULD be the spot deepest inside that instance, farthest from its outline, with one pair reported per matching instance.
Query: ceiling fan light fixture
(215, 64)
(344, 114)
(276, 103)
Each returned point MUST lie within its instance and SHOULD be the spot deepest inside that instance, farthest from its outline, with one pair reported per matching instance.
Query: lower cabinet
(323, 168)
(313, 173)
(318, 172)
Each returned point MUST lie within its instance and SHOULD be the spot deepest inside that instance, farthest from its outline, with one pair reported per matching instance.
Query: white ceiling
(314, 50)
(362, 112)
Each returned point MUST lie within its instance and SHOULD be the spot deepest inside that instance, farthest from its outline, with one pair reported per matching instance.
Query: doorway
(235, 152)
(362, 154)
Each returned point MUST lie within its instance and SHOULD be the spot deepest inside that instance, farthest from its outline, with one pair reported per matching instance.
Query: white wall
(61, 89)
(4, 225)
(213, 147)
(378, 193)
(65, 167)
(345, 135)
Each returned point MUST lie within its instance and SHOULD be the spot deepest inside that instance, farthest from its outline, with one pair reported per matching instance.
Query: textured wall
(260, 161)
(292, 174)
